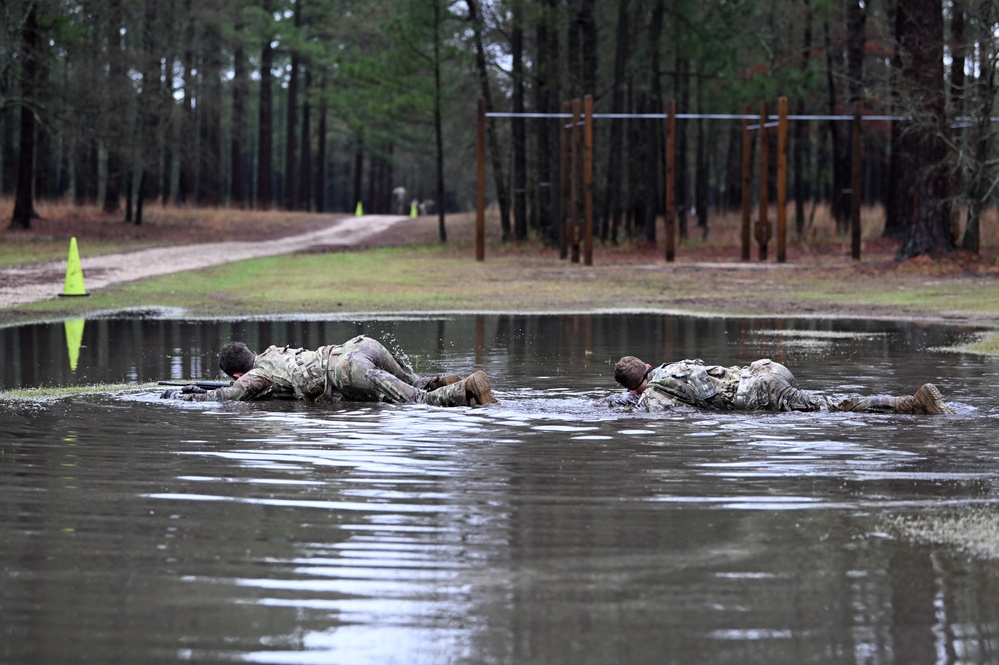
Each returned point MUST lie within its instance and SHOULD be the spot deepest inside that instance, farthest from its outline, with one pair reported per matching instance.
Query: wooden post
(480, 186)
(856, 180)
(747, 183)
(588, 179)
(762, 225)
(781, 179)
(670, 180)
(564, 211)
(574, 186)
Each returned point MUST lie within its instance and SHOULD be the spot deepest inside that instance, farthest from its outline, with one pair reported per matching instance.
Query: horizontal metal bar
(716, 116)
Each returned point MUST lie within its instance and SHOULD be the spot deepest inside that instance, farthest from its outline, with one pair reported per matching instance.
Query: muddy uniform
(764, 385)
(360, 370)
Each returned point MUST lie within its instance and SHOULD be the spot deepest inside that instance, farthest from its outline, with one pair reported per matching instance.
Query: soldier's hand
(171, 394)
(193, 389)
(622, 400)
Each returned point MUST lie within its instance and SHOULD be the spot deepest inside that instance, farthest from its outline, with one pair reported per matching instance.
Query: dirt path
(24, 284)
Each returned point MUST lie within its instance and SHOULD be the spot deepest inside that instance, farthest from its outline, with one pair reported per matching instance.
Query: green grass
(436, 278)
(24, 253)
(59, 392)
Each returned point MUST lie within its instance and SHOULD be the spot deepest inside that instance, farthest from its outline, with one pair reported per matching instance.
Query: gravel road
(32, 283)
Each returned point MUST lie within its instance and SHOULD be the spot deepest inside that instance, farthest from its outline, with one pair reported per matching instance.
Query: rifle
(207, 385)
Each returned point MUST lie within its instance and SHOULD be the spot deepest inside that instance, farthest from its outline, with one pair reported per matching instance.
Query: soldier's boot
(477, 389)
(926, 400)
(471, 391)
(439, 381)
(931, 400)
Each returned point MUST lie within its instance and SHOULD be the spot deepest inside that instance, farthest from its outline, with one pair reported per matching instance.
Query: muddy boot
(471, 391)
(477, 389)
(439, 381)
(928, 396)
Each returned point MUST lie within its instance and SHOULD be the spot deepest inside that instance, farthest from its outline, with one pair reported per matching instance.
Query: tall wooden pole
(763, 234)
(747, 183)
(564, 209)
(670, 180)
(588, 179)
(577, 110)
(781, 179)
(480, 186)
(856, 178)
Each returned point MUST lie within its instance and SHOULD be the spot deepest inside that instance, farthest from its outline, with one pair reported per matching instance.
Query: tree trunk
(545, 79)
(611, 217)
(982, 101)
(147, 148)
(116, 83)
(733, 167)
(682, 199)
(320, 186)
(921, 41)
(654, 132)
(590, 47)
(210, 120)
(898, 197)
(701, 171)
(237, 143)
(799, 152)
(265, 163)
(499, 175)
(24, 199)
(438, 129)
(838, 146)
(186, 153)
(358, 167)
(519, 134)
(290, 179)
(305, 186)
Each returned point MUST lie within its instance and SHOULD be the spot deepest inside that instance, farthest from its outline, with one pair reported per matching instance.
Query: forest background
(319, 105)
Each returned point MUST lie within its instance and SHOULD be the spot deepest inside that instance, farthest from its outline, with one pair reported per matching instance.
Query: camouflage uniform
(360, 370)
(764, 385)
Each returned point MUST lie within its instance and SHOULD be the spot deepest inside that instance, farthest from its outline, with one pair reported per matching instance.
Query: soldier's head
(235, 358)
(631, 373)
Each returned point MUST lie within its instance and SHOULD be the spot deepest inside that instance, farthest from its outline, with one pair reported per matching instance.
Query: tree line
(321, 104)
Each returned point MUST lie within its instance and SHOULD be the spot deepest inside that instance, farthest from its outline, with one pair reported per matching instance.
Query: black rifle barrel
(207, 385)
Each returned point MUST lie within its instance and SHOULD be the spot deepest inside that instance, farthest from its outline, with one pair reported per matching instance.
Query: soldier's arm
(622, 400)
(658, 398)
(251, 386)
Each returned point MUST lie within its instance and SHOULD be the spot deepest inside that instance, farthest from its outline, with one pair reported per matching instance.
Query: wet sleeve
(656, 398)
(622, 400)
(252, 385)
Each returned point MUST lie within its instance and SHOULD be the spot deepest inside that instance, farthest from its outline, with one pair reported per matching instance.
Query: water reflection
(544, 529)
(142, 349)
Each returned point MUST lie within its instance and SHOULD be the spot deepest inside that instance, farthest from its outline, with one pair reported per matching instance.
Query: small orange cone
(74, 273)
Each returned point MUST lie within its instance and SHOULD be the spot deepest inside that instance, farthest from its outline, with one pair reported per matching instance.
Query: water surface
(545, 529)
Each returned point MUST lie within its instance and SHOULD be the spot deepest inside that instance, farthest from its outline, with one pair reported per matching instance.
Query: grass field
(410, 271)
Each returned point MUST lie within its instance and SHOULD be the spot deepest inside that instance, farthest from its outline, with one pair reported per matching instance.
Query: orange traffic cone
(74, 273)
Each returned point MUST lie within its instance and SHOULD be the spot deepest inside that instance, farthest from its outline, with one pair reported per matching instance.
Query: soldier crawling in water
(359, 370)
(764, 385)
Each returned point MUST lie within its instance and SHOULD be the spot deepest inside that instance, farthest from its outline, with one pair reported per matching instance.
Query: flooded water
(544, 529)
